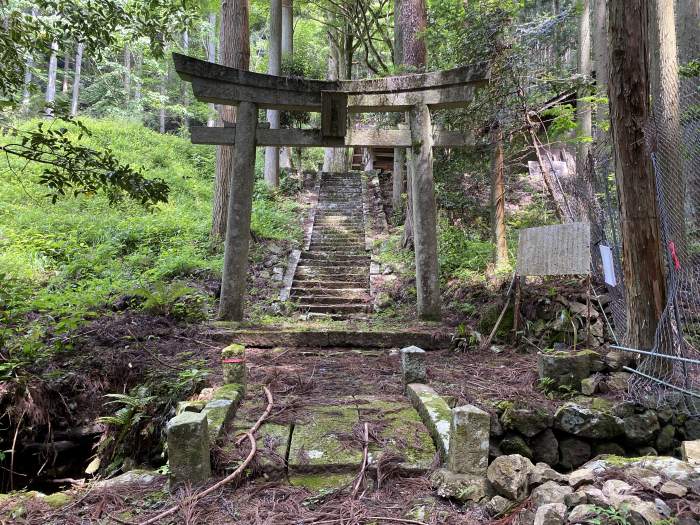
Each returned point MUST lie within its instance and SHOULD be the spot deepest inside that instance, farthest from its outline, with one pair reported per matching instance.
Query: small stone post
(188, 448)
(424, 215)
(240, 207)
(233, 364)
(468, 452)
(413, 365)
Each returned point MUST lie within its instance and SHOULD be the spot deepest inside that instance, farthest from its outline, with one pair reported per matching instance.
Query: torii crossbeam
(416, 94)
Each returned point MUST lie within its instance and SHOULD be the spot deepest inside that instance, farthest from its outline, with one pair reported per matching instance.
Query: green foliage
(462, 254)
(175, 300)
(610, 515)
(63, 263)
(71, 167)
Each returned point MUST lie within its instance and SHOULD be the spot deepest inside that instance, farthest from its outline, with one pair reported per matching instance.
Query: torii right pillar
(424, 214)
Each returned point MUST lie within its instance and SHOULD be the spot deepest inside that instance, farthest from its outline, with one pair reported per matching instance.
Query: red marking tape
(233, 360)
(676, 262)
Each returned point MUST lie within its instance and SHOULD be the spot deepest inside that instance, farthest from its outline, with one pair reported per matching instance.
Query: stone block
(564, 368)
(189, 406)
(461, 487)
(509, 476)
(233, 363)
(587, 422)
(527, 421)
(690, 451)
(218, 412)
(435, 414)
(188, 448)
(469, 441)
(413, 365)
(550, 514)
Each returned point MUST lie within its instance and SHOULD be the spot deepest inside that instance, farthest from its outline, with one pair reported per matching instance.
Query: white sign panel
(608, 265)
(562, 249)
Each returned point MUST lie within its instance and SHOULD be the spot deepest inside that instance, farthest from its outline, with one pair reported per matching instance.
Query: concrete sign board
(562, 249)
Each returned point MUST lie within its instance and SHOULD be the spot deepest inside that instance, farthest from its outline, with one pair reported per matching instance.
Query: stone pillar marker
(413, 365)
(188, 448)
(233, 364)
(468, 452)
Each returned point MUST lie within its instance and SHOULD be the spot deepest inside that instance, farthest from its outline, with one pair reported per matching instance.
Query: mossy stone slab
(321, 444)
(321, 482)
(435, 414)
(273, 443)
(402, 432)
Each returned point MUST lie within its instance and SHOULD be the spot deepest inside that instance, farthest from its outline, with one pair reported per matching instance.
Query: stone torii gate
(416, 94)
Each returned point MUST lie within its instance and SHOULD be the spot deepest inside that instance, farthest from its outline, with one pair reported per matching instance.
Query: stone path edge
(272, 337)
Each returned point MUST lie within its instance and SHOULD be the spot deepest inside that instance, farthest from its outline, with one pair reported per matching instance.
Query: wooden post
(516, 308)
(424, 215)
(240, 206)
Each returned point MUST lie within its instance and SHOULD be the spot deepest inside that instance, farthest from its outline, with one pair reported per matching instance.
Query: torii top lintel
(226, 85)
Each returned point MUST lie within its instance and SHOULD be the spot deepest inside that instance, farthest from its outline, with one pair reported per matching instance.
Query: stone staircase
(332, 277)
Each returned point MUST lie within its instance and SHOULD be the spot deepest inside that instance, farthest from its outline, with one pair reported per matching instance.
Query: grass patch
(62, 262)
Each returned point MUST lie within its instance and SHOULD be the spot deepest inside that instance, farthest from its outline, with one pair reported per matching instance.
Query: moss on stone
(231, 392)
(58, 500)
(319, 482)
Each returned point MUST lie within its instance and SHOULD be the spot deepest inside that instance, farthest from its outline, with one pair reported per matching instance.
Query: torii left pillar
(240, 207)
(424, 214)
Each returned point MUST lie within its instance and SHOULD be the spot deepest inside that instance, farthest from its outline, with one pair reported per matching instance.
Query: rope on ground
(194, 499)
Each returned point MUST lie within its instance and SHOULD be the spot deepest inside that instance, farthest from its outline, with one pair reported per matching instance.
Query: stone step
(353, 280)
(334, 308)
(356, 248)
(326, 273)
(331, 284)
(331, 301)
(334, 257)
(344, 265)
(302, 291)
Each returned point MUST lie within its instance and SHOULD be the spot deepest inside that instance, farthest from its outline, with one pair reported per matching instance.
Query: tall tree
(127, 73)
(234, 45)
(600, 47)
(666, 103)
(274, 64)
(287, 55)
(51, 79)
(66, 72)
(629, 111)
(76, 79)
(583, 108)
(498, 197)
(336, 159)
(688, 20)
(413, 19)
(211, 56)
(397, 174)
(185, 87)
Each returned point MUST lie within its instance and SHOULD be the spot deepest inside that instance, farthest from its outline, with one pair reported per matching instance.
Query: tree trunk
(127, 74)
(583, 109)
(287, 54)
(163, 95)
(666, 103)
(138, 66)
(51, 81)
(26, 94)
(412, 22)
(688, 30)
(234, 47)
(66, 72)
(600, 46)
(274, 55)
(211, 57)
(645, 286)
(185, 85)
(76, 79)
(498, 198)
(334, 159)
